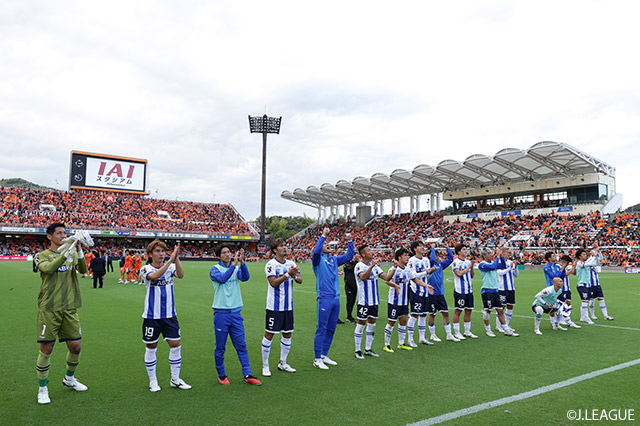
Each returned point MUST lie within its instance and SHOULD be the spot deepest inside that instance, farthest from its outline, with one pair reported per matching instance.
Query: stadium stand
(530, 235)
(619, 238)
(117, 211)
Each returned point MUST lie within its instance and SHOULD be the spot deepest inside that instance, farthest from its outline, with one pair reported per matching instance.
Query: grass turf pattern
(395, 389)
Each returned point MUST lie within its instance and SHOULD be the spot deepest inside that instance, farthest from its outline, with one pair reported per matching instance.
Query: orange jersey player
(137, 264)
(89, 256)
(128, 266)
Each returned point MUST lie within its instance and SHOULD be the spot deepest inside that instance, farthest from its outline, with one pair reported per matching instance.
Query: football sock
(150, 361)
(357, 335)
(456, 328)
(402, 334)
(487, 327)
(538, 321)
(467, 327)
(568, 312)
(508, 313)
(603, 308)
(447, 328)
(592, 307)
(584, 311)
(422, 327)
(388, 329)
(432, 329)
(175, 360)
(266, 349)
(285, 347)
(497, 321)
(411, 326)
(72, 363)
(554, 321)
(370, 335)
(42, 366)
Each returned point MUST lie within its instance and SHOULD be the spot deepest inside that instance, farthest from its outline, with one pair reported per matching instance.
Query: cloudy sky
(362, 86)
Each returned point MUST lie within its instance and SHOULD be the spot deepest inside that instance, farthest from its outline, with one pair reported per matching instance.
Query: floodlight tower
(264, 125)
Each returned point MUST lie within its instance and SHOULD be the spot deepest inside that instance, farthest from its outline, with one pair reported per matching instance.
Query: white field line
(582, 324)
(502, 401)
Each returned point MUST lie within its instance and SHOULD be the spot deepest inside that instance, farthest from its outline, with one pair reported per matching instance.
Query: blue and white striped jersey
(368, 290)
(158, 303)
(418, 267)
(595, 270)
(463, 284)
(506, 277)
(565, 281)
(401, 276)
(279, 298)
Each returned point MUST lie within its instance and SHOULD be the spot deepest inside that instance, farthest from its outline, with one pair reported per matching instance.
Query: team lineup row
(416, 295)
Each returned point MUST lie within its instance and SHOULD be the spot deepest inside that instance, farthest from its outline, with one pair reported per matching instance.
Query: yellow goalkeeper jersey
(60, 290)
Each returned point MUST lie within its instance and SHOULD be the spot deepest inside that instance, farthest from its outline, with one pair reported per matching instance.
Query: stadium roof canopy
(544, 160)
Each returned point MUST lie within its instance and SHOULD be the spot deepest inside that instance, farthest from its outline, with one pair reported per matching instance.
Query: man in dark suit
(350, 286)
(99, 268)
(109, 258)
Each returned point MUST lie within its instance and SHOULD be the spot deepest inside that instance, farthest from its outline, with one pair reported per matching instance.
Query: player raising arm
(596, 288)
(227, 308)
(462, 291)
(398, 299)
(160, 313)
(281, 273)
(325, 268)
(58, 301)
(418, 295)
(490, 298)
(507, 289)
(367, 272)
(438, 302)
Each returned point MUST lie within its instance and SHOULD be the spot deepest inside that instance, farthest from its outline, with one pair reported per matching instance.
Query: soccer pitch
(395, 389)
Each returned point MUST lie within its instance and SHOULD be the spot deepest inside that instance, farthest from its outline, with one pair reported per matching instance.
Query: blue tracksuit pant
(328, 310)
(227, 323)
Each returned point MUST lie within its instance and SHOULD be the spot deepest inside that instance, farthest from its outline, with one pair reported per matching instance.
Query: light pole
(264, 125)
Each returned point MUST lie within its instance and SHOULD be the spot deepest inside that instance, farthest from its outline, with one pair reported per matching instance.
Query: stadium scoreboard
(107, 173)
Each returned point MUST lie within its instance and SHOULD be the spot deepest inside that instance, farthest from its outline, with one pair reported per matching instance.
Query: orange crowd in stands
(560, 233)
(116, 211)
(530, 236)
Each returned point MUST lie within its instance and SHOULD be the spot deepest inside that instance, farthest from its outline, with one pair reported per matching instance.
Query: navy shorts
(279, 321)
(367, 311)
(596, 292)
(419, 304)
(507, 297)
(545, 309)
(438, 304)
(585, 292)
(565, 296)
(463, 301)
(396, 311)
(491, 301)
(151, 329)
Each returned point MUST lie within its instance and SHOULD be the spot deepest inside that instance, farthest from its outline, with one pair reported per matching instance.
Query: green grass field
(395, 389)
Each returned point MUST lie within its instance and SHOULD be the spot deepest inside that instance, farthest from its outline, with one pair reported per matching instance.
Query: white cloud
(363, 87)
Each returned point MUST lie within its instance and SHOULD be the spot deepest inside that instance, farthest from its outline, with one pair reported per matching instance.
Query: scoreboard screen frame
(103, 172)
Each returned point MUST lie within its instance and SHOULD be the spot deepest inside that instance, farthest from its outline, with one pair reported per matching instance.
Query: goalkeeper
(57, 303)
